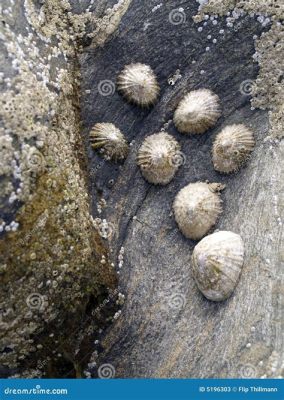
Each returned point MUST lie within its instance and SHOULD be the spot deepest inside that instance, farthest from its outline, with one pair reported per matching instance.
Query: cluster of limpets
(218, 258)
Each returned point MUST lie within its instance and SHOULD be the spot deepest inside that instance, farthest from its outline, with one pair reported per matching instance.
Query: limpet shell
(138, 83)
(110, 140)
(232, 148)
(217, 262)
(159, 158)
(198, 111)
(197, 207)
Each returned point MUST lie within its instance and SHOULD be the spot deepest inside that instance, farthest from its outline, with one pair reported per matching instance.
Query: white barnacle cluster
(24, 117)
(268, 91)
(38, 164)
(157, 7)
(105, 26)
(120, 299)
(117, 315)
(8, 227)
(174, 78)
(101, 205)
(103, 227)
(274, 367)
(121, 258)
(264, 12)
(103, 260)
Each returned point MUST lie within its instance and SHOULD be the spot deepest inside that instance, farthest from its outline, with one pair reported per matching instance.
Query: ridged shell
(232, 148)
(196, 208)
(138, 83)
(110, 140)
(217, 262)
(159, 158)
(198, 111)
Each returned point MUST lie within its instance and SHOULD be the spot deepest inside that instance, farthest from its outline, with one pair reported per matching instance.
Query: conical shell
(196, 208)
(217, 262)
(198, 111)
(159, 158)
(138, 83)
(232, 148)
(110, 140)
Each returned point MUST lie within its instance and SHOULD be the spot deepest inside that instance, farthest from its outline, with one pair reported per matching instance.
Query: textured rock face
(55, 272)
(167, 328)
(267, 90)
(58, 289)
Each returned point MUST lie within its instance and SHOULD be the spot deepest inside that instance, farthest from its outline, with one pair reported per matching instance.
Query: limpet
(138, 83)
(197, 207)
(110, 140)
(198, 111)
(232, 148)
(159, 158)
(217, 262)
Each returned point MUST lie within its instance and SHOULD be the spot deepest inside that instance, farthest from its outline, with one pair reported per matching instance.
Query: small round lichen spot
(232, 147)
(138, 83)
(217, 262)
(198, 111)
(110, 140)
(159, 158)
(196, 208)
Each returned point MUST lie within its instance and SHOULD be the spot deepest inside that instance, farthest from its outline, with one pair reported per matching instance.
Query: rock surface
(59, 62)
(167, 328)
(57, 288)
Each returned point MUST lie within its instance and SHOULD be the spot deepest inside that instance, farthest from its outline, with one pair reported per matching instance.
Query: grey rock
(167, 328)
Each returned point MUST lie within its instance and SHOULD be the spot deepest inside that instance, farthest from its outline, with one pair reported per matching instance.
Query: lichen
(268, 90)
(55, 18)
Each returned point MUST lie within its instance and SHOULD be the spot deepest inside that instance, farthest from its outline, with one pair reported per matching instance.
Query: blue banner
(140, 389)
